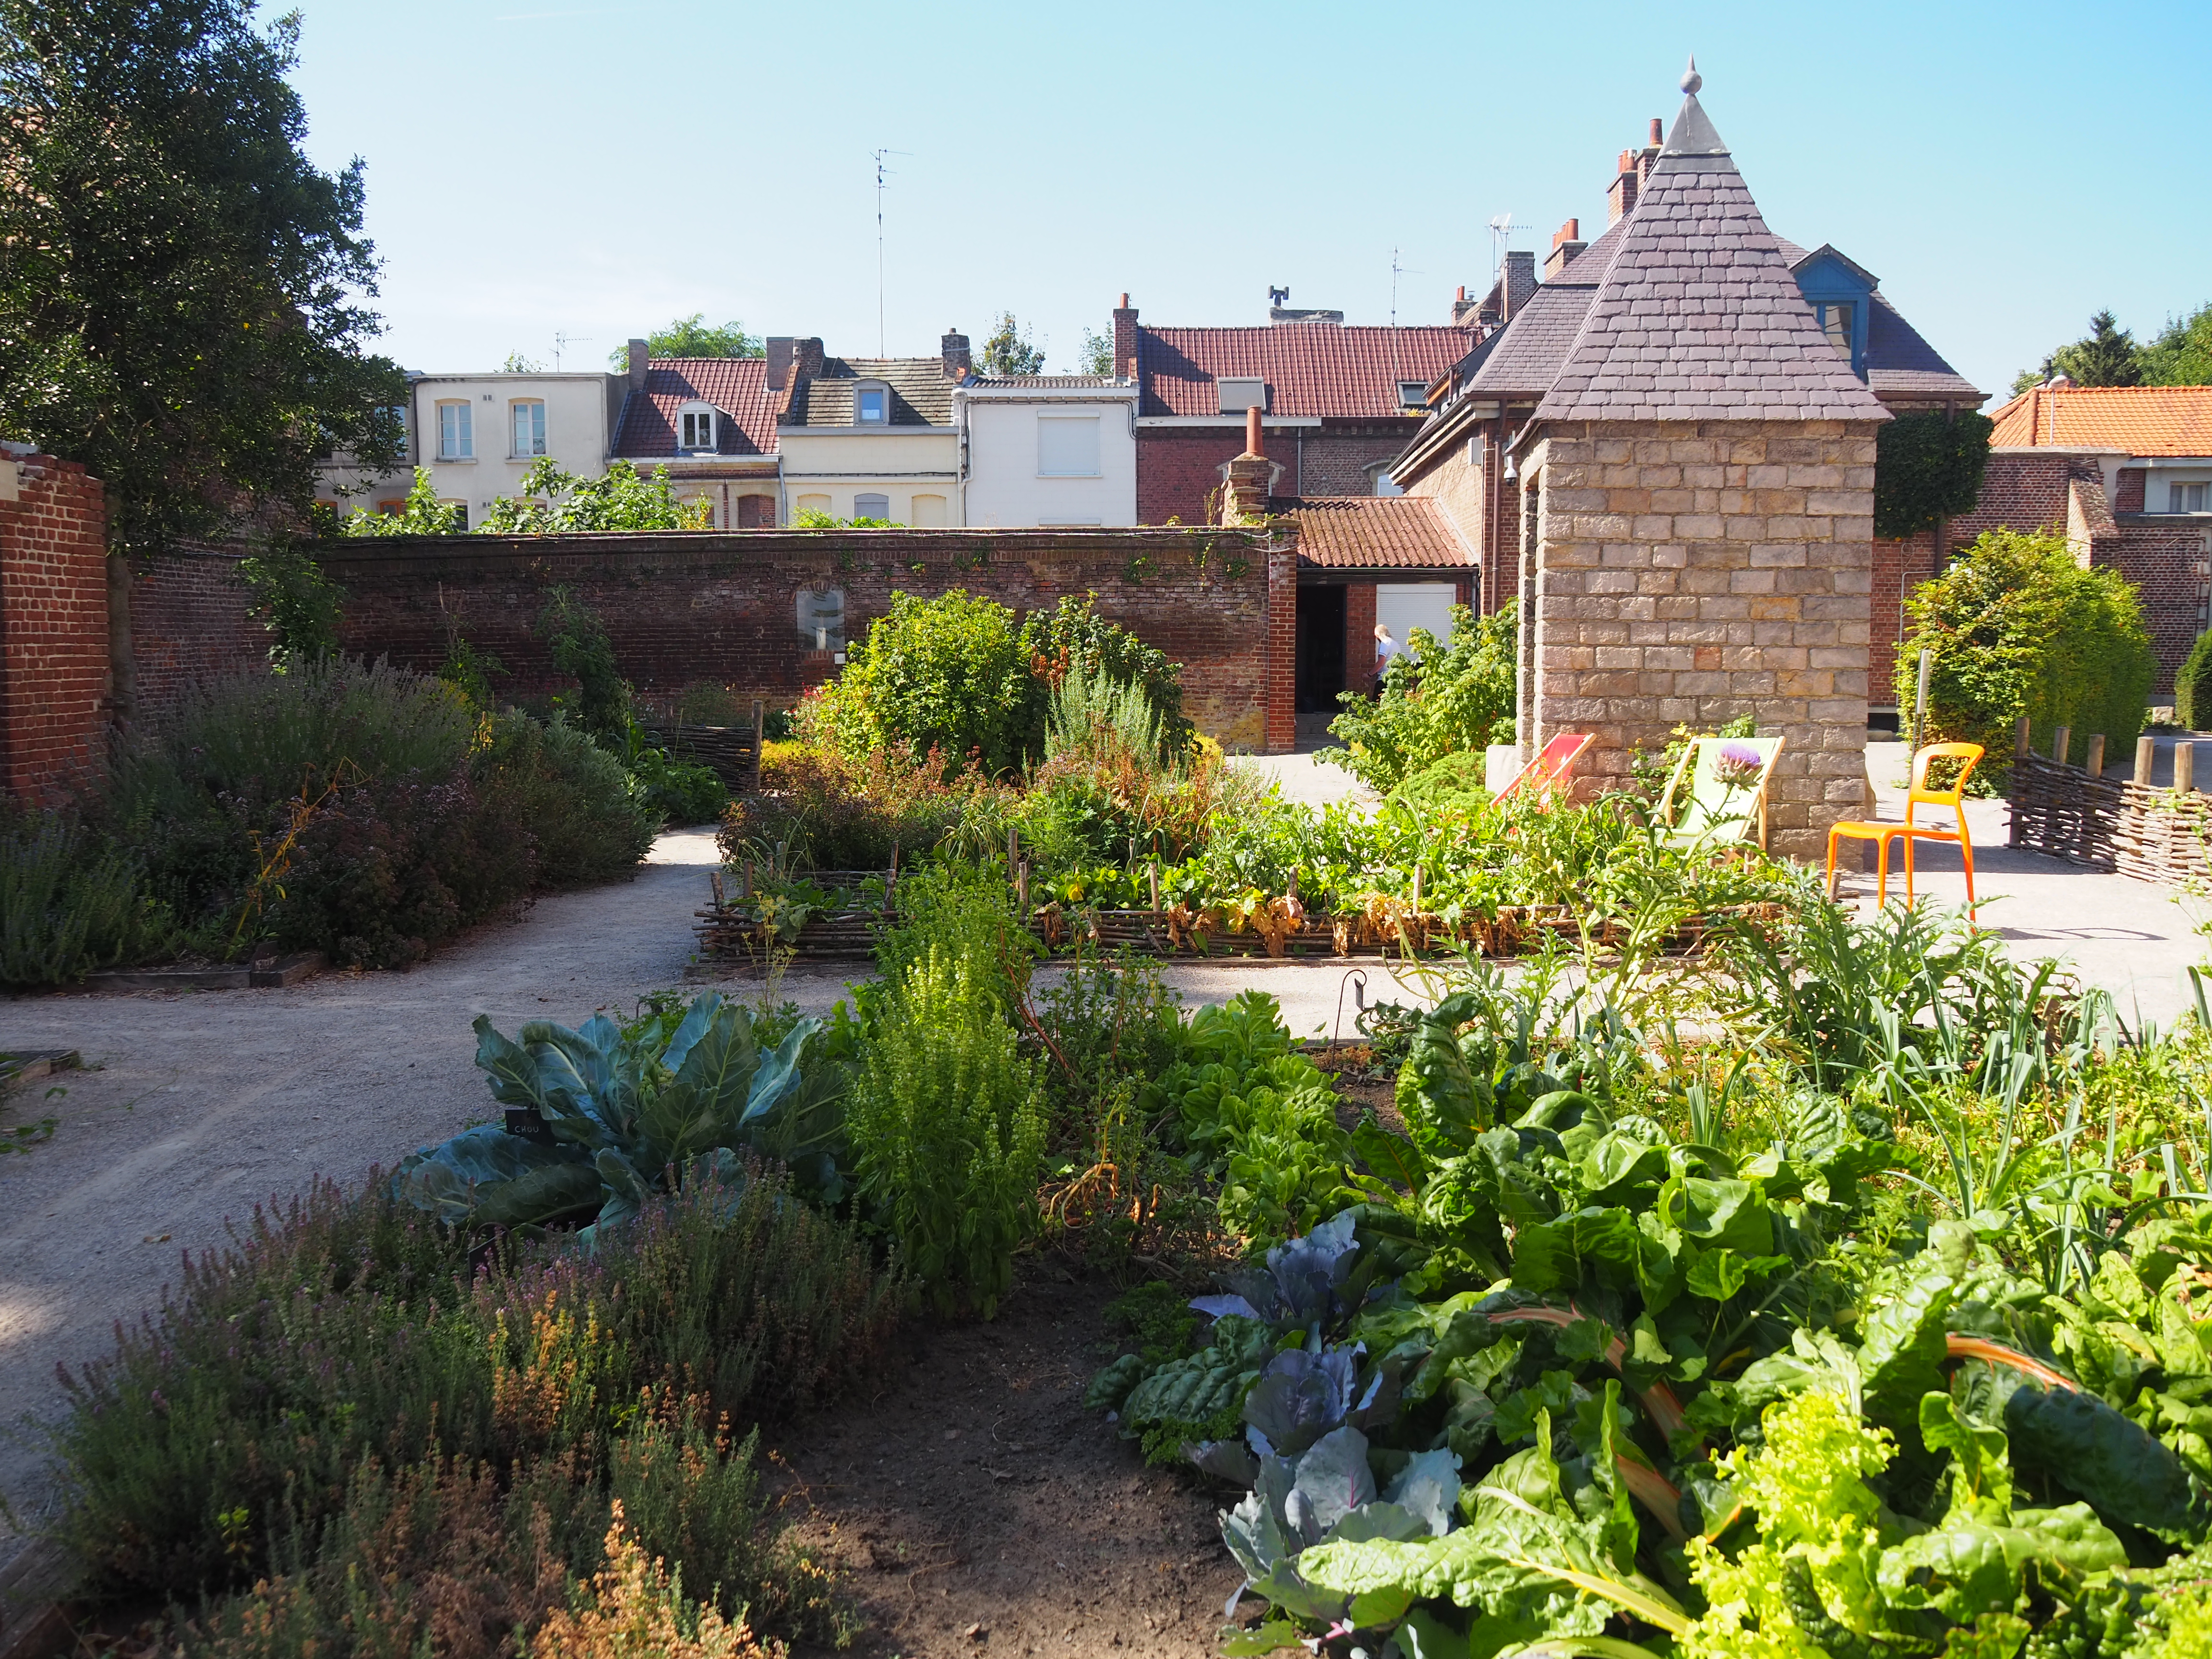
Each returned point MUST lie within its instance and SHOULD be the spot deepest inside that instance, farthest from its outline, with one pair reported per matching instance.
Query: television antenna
(1501, 234)
(1397, 270)
(882, 172)
(561, 341)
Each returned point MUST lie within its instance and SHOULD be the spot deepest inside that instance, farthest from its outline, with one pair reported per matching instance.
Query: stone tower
(1698, 503)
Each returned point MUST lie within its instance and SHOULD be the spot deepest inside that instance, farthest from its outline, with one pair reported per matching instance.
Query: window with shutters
(1067, 446)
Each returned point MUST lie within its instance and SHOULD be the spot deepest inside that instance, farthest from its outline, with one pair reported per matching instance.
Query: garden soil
(975, 1506)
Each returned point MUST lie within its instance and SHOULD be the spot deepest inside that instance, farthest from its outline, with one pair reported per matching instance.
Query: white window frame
(2174, 498)
(689, 417)
(522, 450)
(860, 395)
(456, 432)
(1063, 424)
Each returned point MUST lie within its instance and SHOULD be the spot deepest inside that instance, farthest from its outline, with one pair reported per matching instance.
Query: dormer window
(1837, 319)
(694, 427)
(872, 404)
(1412, 394)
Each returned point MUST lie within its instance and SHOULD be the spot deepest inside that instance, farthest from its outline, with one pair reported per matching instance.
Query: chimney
(1649, 156)
(1567, 243)
(637, 349)
(1520, 281)
(779, 362)
(1125, 335)
(1621, 196)
(1249, 478)
(954, 349)
(807, 358)
(1255, 442)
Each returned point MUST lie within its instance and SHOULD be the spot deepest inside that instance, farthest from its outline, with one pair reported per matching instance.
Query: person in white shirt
(1385, 648)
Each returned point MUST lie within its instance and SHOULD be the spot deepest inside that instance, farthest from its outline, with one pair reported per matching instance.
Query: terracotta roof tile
(736, 386)
(1377, 532)
(2139, 420)
(1310, 368)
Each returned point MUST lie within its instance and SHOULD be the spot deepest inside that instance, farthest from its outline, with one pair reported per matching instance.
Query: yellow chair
(1718, 791)
(1916, 795)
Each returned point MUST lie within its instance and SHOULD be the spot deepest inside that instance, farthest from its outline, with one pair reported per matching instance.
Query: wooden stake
(1021, 885)
(2185, 768)
(2096, 766)
(2146, 758)
(2019, 737)
(1013, 845)
(2062, 744)
(1154, 869)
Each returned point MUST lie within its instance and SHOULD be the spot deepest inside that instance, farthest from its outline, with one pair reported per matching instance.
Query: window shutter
(1068, 447)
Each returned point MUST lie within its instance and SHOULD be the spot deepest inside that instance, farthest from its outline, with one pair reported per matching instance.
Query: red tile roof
(1310, 368)
(736, 386)
(1377, 532)
(2137, 420)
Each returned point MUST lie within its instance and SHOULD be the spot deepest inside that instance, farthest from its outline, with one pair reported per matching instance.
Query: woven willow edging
(2107, 823)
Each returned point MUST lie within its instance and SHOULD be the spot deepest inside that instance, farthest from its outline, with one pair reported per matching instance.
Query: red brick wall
(1899, 568)
(1178, 466)
(2128, 489)
(2160, 557)
(682, 609)
(1359, 637)
(2019, 492)
(54, 674)
(189, 623)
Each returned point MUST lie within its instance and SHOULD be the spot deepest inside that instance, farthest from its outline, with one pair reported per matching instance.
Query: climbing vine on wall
(1927, 467)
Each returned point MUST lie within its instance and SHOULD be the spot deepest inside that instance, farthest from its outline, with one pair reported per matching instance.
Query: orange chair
(1919, 794)
(1550, 768)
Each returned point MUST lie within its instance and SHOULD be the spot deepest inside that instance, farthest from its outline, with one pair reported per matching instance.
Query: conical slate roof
(1697, 316)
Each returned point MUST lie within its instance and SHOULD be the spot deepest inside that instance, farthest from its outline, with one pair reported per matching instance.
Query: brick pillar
(1282, 664)
(1359, 637)
(56, 676)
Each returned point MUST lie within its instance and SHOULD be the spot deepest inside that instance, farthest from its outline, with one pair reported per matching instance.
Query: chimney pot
(1125, 302)
(1658, 133)
(1567, 233)
(1255, 442)
(637, 360)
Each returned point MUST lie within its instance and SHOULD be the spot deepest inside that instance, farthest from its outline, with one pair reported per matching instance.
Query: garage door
(1403, 606)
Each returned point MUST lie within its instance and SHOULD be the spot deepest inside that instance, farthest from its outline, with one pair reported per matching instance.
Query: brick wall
(1334, 461)
(2019, 492)
(1899, 568)
(2128, 489)
(1359, 637)
(54, 677)
(2160, 556)
(189, 622)
(1693, 572)
(1177, 466)
(683, 609)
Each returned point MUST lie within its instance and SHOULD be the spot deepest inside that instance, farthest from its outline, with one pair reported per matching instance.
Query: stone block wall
(1688, 573)
(54, 677)
(721, 608)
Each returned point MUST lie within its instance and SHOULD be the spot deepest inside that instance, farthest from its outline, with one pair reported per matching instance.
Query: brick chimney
(1249, 477)
(779, 362)
(1567, 243)
(637, 351)
(1125, 335)
(1620, 195)
(1465, 313)
(807, 358)
(954, 349)
(1520, 281)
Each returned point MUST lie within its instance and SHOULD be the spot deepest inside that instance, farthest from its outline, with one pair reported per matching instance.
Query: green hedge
(2018, 627)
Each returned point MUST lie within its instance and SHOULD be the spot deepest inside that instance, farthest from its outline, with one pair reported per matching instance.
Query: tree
(1095, 354)
(517, 363)
(694, 336)
(1928, 467)
(554, 500)
(2181, 352)
(181, 291)
(1008, 351)
(2107, 356)
(424, 514)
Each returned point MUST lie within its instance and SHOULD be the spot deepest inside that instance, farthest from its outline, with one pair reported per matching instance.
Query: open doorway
(1320, 649)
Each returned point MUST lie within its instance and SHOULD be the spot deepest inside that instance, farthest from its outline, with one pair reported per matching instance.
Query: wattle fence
(2078, 814)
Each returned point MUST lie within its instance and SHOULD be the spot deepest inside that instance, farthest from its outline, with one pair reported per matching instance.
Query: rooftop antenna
(561, 341)
(1501, 234)
(882, 172)
(1396, 271)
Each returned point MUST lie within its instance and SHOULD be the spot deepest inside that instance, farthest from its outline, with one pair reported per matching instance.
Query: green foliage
(1095, 355)
(2106, 356)
(1456, 699)
(1072, 635)
(947, 1131)
(581, 649)
(1007, 349)
(424, 514)
(181, 304)
(694, 336)
(679, 791)
(69, 902)
(813, 517)
(2018, 627)
(557, 502)
(948, 674)
(1928, 467)
(298, 604)
(2181, 352)
(2192, 685)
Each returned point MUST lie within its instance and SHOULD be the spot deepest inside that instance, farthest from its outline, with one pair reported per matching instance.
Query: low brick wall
(189, 622)
(54, 679)
(721, 608)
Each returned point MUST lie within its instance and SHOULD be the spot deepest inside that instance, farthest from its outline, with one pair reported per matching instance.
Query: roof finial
(1691, 79)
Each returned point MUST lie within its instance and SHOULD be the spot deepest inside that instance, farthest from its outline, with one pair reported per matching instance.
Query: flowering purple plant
(1738, 766)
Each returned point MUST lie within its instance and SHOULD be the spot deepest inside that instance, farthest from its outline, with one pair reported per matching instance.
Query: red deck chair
(1549, 770)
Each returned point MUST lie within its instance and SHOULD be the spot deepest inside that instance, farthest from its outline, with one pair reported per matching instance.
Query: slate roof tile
(921, 395)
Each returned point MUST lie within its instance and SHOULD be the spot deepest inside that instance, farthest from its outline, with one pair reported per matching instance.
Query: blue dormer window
(1839, 292)
(1838, 321)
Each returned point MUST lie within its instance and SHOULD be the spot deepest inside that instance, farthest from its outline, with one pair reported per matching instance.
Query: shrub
(947, 1131)
(678, 792)
(1457, 698)
(853, 813)
(2193, 686)
(1074, 637)
(574, 798)
(949, 674)
(68, 903)
(581, 649)
(2018, 627)
(635, 1608)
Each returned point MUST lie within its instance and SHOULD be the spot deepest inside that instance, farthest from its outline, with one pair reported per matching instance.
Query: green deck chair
(1700, 805)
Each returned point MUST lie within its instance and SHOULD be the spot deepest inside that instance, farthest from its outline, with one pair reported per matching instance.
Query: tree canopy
(182, 292)
(1008, 351)
(694, 337)
(2180, 354)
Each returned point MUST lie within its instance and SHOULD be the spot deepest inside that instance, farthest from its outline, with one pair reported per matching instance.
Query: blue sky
(538, 167)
